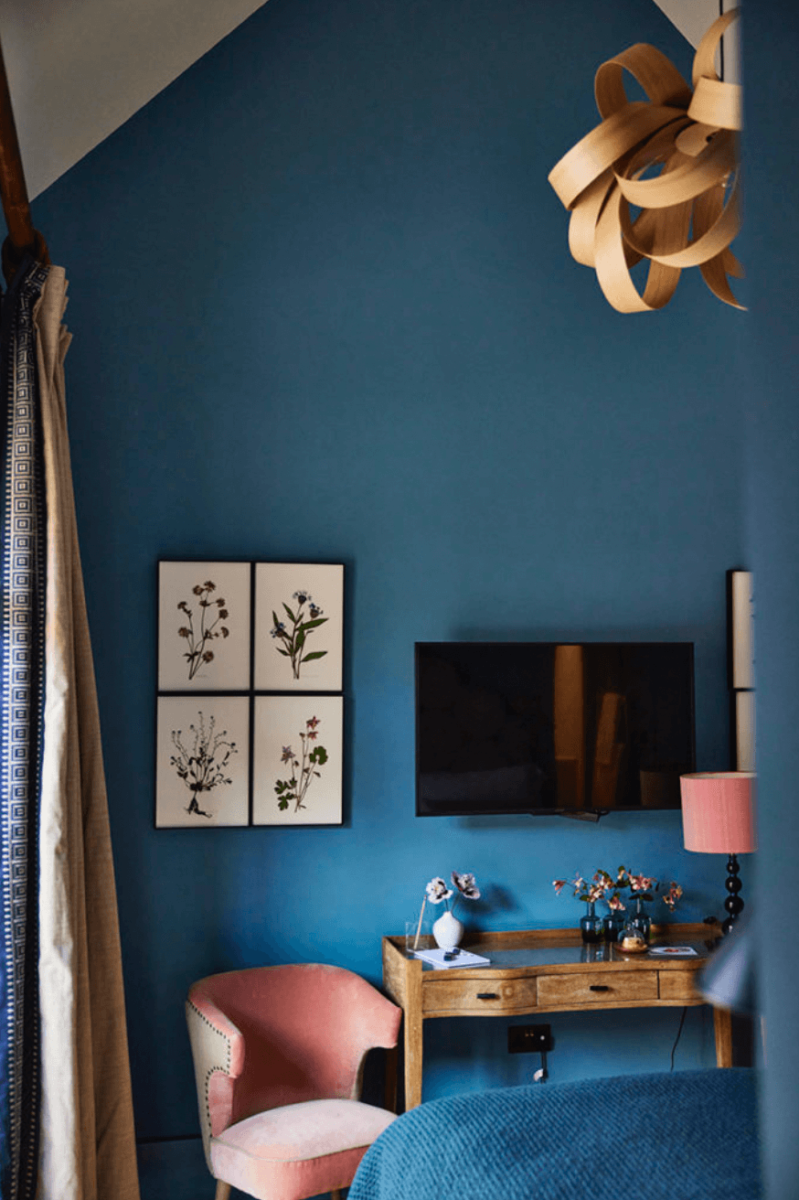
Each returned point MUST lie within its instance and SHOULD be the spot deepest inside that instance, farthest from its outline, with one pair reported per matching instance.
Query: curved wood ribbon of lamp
(689, 211)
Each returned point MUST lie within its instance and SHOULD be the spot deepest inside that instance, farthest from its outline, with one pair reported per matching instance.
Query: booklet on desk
(443, 959)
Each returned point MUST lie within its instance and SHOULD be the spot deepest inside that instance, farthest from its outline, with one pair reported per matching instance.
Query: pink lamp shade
(718, 812)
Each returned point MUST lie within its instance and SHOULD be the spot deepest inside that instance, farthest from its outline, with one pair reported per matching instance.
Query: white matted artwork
(297, 760)
(204, 626)
(299, 622)
(742, 629)
(202, 761)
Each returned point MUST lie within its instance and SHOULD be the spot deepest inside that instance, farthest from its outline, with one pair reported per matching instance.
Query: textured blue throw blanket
(687, 1135)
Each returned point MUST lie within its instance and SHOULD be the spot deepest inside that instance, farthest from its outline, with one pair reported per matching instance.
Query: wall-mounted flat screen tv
(578, 728)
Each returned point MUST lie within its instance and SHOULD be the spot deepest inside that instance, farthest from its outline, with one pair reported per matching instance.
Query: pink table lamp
(718, 817)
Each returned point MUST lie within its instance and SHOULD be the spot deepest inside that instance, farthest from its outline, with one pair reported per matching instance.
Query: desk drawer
(597, 987)
(475, 996)
(678, 985)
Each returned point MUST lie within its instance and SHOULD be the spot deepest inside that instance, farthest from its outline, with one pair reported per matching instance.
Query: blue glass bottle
(591, 924)
(612, 925)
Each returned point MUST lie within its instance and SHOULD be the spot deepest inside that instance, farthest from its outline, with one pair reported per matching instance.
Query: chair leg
(222, 1190)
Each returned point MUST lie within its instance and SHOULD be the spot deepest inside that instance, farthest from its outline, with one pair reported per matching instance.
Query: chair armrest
(217, 1048)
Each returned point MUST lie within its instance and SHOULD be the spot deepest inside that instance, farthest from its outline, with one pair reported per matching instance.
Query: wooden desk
(544, 971)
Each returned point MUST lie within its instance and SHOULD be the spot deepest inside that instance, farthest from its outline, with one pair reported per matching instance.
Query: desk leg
(722, 1027)
(412, 1026)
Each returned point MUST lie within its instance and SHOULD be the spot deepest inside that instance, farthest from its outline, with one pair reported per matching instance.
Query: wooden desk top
(528, 951)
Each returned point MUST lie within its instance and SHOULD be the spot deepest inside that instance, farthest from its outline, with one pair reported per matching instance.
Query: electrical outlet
(525, 1038)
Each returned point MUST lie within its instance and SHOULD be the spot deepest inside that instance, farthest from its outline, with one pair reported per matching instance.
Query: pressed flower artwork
(293, 639)
(302, 768)
(199, 635)
(297, 760)
(202, 761)
(204, 626)
(228, 753)
(298, 627)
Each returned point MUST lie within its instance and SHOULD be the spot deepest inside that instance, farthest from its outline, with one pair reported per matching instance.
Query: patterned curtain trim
(22, 585)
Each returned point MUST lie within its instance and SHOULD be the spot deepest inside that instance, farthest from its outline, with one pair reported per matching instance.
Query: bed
(687, 1135)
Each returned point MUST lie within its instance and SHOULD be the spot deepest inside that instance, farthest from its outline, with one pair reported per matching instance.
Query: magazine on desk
(443, 959)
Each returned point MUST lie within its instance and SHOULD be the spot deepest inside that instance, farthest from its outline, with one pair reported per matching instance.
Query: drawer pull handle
(487, 996)
(598, 987)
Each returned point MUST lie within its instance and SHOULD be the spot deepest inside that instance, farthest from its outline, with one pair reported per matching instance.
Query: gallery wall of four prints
(249, 711)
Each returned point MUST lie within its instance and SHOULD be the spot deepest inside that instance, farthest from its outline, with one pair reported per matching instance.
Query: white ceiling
(694, 17)
(78, 69)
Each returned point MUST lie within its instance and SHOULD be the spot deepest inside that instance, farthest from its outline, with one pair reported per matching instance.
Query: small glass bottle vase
(640, 919)
(591, 924)
(613, 924)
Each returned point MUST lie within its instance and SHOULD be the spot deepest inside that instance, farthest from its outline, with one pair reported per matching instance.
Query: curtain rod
(22, 237)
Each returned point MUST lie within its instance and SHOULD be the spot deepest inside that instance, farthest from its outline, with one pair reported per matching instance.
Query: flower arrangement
(465, 885)
(607, 887)
(437, 892)
(672, 895)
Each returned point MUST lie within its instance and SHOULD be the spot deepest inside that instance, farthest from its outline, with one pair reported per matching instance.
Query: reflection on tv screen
(538, 727)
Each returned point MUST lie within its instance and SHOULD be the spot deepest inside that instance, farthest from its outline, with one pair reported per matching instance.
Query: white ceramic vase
(447, 931)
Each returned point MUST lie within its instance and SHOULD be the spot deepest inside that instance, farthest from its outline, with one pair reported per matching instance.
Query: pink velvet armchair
(278, 1058)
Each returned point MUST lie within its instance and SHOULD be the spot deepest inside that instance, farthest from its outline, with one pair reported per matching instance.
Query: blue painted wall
(324, 310)
(770, 389)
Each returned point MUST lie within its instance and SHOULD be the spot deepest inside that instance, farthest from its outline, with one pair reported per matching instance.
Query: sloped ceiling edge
(78, 71)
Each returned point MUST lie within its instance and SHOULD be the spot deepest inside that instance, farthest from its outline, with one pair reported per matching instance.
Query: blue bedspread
(687, 1135)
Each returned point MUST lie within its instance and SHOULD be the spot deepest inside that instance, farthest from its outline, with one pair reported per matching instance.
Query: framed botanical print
(248, 731)
(202, 761)
(299, 618)
(204, 626)
(297, 760)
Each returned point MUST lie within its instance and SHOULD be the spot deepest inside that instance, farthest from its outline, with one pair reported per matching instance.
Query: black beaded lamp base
(733, 904)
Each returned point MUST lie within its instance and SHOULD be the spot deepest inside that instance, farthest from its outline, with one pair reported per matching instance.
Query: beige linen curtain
(87, 1144)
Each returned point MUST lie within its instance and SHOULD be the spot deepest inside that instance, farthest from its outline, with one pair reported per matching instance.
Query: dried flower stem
(419, 926)
(302, 626)
(198, 639)
(303, 769)
(203, 767)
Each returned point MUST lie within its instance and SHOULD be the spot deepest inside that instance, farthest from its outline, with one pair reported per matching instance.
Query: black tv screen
(580, 728)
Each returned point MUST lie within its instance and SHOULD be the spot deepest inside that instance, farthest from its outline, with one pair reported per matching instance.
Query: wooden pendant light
(690, 209)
